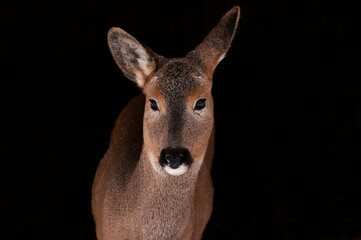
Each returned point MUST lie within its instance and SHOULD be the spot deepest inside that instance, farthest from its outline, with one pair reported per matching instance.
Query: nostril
(173, 158)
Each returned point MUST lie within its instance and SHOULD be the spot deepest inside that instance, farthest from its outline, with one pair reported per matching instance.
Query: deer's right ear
(136, 61)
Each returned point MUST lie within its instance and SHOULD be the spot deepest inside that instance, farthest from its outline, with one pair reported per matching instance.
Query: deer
(154, 181)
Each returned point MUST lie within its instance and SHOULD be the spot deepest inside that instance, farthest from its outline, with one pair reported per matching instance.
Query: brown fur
(133, 196)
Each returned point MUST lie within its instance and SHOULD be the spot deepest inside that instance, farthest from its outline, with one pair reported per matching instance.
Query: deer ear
(215, 46)
(137, 62)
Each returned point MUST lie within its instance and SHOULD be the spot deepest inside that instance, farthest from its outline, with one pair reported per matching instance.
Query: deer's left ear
(215, 46)
(136, 61)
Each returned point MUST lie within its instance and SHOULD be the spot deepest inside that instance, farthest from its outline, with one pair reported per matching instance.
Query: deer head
(178, 115)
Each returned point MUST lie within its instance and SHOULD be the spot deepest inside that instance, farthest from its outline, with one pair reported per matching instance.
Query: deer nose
(174, 157)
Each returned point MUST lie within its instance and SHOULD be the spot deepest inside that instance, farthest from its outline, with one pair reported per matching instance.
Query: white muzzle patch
(177, 171)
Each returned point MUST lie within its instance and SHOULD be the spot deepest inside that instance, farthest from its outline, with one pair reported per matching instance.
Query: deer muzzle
(175, 157)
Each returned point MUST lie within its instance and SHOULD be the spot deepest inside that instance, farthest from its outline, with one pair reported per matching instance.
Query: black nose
(174, 157)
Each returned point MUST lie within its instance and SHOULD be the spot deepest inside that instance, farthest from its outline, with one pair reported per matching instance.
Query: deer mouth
(175, 161)
(176, 171)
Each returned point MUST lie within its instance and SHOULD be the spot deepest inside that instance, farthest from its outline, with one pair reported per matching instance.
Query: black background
(287, 111)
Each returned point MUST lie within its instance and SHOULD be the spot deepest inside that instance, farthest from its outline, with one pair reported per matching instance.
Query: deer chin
(193, 168)
(177, 171)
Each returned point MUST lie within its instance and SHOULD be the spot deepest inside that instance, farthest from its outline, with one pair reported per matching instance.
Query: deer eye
(200, 104)
(153, 105)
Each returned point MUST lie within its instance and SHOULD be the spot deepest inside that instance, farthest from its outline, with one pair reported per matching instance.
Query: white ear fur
(136, 61)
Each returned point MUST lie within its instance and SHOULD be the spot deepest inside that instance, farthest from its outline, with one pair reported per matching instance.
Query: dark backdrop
(287, 111)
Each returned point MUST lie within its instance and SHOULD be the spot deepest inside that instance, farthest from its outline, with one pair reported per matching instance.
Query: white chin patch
(176, 172)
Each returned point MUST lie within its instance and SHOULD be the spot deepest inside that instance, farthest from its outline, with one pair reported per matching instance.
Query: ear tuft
(136, 61)
(215, 46)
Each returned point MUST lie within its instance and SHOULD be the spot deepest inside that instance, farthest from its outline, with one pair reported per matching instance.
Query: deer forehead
(178, 81)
